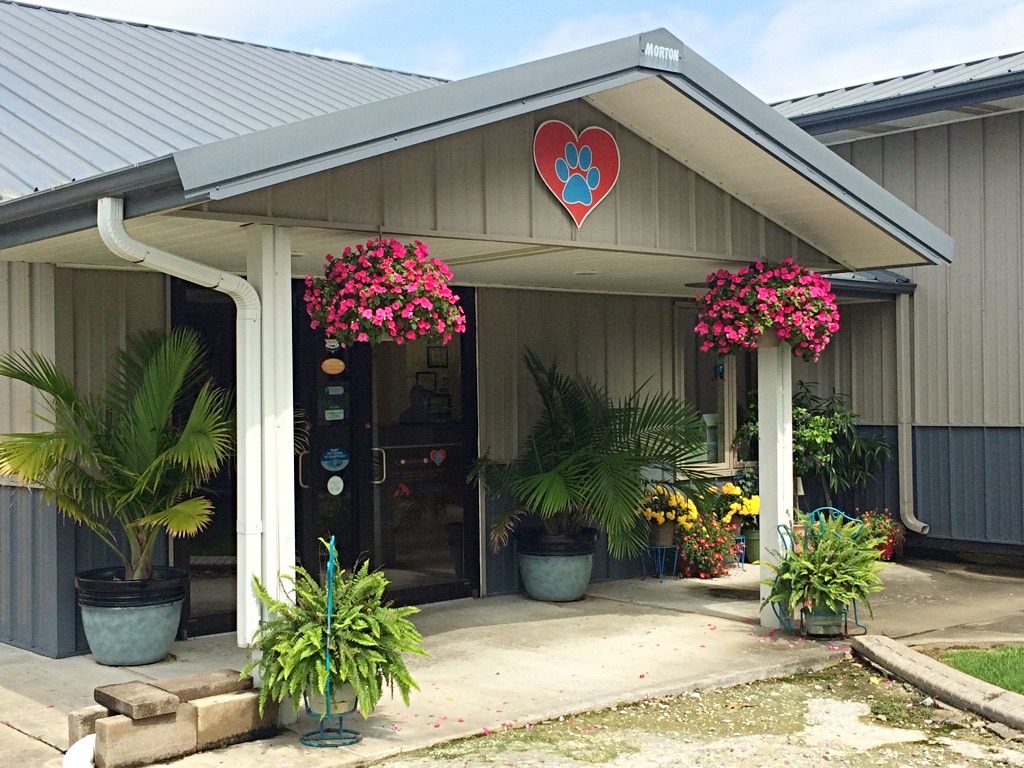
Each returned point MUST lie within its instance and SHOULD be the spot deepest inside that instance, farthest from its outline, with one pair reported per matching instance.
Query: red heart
(438, 455)
(579, 171)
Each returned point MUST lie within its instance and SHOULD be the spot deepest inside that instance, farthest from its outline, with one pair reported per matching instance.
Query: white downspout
(905, 416)
(110, 219)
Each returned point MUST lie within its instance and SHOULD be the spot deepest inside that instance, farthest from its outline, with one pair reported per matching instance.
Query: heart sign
(579, 171)
(438, 455)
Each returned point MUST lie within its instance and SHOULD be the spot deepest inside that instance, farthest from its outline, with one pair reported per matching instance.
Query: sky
(778, 49)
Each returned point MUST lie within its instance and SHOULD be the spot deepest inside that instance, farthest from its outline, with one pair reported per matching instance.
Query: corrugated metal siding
(26, 322)
(37, 597)
(82, 95)
(100, 309)
(619, 341)
(860, 362)
(969, 483)
(967, 317)
(483, 182)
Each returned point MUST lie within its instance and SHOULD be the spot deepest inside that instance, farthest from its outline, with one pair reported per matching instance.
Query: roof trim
(765, 127)
(871, 284)
(910, 104)
(147, 188)
(252, 161)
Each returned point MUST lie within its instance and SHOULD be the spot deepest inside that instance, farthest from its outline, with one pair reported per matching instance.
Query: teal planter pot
(129, 623)
(556, 569)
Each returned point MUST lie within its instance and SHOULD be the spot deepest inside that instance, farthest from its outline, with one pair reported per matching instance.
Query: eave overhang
(651, 83)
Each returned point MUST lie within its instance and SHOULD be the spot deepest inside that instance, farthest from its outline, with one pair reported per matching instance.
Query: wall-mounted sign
(334, 459)
(332, 366)
(335, 485)
(579, 170)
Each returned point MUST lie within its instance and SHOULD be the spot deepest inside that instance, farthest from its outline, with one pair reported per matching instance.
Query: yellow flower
(732, 490)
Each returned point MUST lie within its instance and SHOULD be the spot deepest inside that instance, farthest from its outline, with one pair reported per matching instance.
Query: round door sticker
(334, 459)
(335, 485)
(332, 366)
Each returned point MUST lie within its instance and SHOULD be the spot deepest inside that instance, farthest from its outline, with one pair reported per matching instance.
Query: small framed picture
(437, 357)
(427, 380)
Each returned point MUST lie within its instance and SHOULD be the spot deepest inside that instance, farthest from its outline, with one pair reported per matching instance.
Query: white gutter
(110, 219)
(905, 416)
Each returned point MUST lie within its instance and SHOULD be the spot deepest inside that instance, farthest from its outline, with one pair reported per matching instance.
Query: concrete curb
(941, 682)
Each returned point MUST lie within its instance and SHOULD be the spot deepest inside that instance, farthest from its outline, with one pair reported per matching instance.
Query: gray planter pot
(821, 621)
(556, 569)
(128, 623)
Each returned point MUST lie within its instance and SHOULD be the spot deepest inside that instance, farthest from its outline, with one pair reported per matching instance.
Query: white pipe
(110, 219)
(905, 416)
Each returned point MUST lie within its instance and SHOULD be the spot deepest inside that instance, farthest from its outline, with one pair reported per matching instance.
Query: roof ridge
(219, 38)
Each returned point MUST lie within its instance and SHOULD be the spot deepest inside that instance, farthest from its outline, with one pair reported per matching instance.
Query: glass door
(391, 433)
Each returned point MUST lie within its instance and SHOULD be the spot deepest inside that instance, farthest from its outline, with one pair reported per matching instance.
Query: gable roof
(651, 84)
(935, 96)
(81, 96)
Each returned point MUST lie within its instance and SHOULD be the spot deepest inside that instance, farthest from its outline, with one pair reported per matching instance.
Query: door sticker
(334, 389)
(332, 344)
(334, 414)
(334, 459)
(335, 485)
(332, 366)
(438, 455)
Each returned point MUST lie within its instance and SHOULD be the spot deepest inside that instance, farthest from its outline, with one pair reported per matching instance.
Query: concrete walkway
(508, 661)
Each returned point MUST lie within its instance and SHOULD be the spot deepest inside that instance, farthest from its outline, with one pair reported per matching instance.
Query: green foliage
(826, 442)
(133, 459)
(587, 458)
(835, 563)
(366, 641)
(1003, 666)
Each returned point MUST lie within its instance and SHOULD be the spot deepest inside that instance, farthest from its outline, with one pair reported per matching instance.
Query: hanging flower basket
(791, 301)
(384, 291)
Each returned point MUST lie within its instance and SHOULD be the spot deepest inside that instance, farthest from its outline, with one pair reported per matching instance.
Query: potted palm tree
(128, 465)
(587, 462)
(834, 564)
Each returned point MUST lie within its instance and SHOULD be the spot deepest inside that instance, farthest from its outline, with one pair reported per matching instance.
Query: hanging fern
(368, 638)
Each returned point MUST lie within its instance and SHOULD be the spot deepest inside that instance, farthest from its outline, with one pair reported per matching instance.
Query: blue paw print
(579, 177)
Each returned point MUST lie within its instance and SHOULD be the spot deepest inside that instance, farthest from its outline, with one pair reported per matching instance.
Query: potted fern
(365, 640)
(835, 563)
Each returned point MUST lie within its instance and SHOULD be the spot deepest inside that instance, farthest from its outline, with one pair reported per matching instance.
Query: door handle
(300, 456)
(383, 466)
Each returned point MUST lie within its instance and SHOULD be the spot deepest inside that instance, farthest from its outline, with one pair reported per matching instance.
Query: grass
(1002, 666)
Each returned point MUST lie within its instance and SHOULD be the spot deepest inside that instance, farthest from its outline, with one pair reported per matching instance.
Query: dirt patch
(849, 715)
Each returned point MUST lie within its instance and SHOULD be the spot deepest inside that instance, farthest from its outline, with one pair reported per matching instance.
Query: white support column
(775, 453)
(269, 271)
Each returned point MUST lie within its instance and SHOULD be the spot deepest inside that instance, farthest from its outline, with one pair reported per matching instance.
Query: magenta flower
(383, 289)
(796, 304)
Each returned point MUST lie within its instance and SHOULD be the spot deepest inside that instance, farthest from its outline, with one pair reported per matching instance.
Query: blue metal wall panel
(969, 483)
(37, 604)
(882, 493)
(40, 552)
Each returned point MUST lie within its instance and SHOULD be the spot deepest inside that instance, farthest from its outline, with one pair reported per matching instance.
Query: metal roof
(651, 84)
(871, 282)
(944, 94)
(82, 96)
